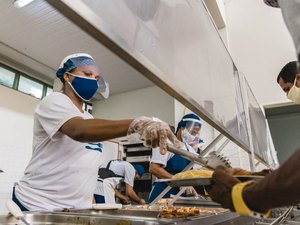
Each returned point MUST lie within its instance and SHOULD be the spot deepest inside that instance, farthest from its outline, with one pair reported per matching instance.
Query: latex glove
(155, 133)
(190, 191)
(223, 182)
(142, 202)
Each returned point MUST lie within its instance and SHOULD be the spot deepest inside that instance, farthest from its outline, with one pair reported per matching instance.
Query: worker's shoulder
(125, 163)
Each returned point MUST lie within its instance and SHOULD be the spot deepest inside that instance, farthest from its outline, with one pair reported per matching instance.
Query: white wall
(16, 119)
(150, 101)
(260, 45)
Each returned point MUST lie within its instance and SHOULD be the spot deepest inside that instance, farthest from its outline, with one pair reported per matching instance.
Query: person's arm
(158, 171)
(279, 188)
(92, 130)
(132, 195)
(121, 196)
(155, 133)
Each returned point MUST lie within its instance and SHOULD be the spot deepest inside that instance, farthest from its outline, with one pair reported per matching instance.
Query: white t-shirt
(124, 169)
(62, 172)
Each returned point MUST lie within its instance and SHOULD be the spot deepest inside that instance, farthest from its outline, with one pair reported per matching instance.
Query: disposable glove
(155, 133)
(142, 202)
(190, 191)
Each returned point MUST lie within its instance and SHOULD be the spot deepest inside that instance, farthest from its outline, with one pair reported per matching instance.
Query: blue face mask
(84, 87)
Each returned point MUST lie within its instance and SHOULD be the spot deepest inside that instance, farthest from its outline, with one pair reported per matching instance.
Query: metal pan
(199, 181)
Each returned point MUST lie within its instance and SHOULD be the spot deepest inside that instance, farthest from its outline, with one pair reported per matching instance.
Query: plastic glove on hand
(190, 191)
(223, 182)
(142, 202)
(155, 133)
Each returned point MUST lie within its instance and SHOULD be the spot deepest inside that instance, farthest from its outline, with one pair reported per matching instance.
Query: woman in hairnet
(165, 166)
(62, 172)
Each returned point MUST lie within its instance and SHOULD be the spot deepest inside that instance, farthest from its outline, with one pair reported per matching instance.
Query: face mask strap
(72, 74)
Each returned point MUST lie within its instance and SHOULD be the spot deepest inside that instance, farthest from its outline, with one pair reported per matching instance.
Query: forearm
(280, 188)
(120, 195)
(95, 130)
(132, 195)
(158, 171)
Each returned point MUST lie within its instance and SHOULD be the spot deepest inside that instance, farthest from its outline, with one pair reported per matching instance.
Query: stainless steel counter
(122, 217)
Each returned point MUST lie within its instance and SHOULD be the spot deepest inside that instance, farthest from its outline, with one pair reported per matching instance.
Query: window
(11, 78)
(30, 87)
(49, 90)
(7, 77)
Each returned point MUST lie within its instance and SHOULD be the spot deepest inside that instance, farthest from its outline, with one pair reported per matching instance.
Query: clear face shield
(103, 87)
(191, 133)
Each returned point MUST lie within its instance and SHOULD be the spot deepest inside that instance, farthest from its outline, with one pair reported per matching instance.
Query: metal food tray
(202, 181)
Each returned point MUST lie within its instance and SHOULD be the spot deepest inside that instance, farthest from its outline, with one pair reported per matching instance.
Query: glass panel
(7, 77)
(174, 44)
(259, 130)
(49, 91)
(30, 87)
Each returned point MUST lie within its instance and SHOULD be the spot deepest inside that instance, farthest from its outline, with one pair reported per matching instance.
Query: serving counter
(123, 217)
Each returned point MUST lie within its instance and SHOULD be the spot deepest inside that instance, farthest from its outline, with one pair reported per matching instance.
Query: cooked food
(164, 201)
(239, 171)
(184, 212)
(193, 174)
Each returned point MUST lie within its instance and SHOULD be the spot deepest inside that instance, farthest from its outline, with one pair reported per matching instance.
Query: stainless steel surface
(138, 159)
(186, 182)
(151, 215)
(196, 202)
(211, 162)
(195, 158)
(212, 145)
(120, 217)
(137, 149)
(200, 181)
(49, 218)
(157, 43)
(283, 217)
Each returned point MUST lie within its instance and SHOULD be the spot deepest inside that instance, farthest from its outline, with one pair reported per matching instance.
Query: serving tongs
(211, 161)
(281, 219)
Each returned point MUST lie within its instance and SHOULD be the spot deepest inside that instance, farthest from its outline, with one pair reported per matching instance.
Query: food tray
(202, 181)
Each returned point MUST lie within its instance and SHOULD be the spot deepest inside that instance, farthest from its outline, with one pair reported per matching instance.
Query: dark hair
(288, 72)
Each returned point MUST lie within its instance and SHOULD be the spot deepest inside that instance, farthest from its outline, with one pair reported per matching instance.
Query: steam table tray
(203, 181)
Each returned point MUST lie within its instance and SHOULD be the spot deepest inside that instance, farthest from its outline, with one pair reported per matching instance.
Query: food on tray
(239, 171)
(164, 201)
(184, 212)
(193, 174)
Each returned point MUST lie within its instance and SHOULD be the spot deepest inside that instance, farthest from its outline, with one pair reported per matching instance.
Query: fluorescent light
(21, 3)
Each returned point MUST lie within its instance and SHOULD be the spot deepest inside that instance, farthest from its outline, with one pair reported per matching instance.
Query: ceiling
(35, 38)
